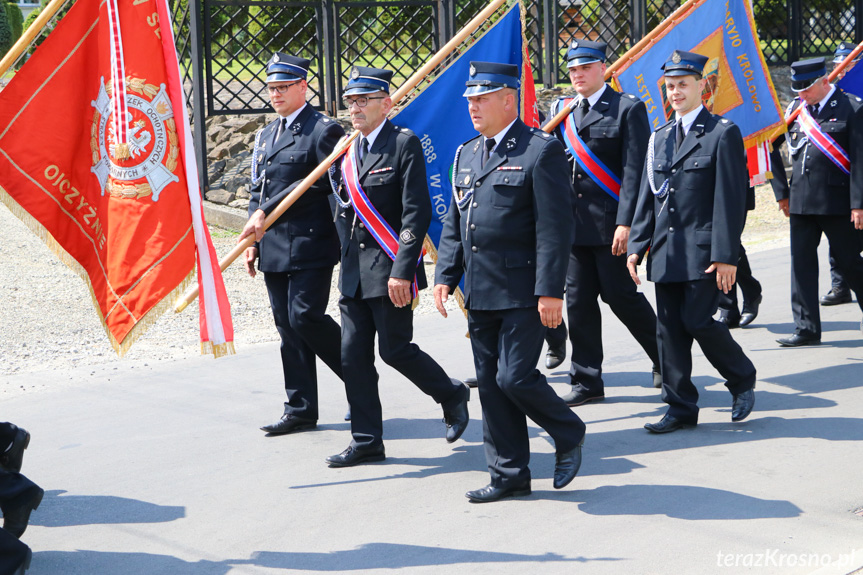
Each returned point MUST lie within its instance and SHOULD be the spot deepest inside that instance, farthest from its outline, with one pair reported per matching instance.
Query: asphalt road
(158, 467)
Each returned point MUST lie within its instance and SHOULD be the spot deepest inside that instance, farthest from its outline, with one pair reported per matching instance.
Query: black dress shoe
(742, 405)
(799, 338)
(289, 423)
(729, 318)
(457, 417)
(16, 512)
(836, 297)
(578, 397)
(356, 455)
(667, 424)
(555, 356)
(491, 493)
(13, 458)
(657, 377)
(750, 311)
(471, 382)
(566, 465)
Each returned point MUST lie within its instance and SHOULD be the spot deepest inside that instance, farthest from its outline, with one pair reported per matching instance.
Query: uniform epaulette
(723, 120)
(666, 124)
(538, 132)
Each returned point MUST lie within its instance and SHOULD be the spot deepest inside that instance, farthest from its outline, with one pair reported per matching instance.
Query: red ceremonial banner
(94, 158)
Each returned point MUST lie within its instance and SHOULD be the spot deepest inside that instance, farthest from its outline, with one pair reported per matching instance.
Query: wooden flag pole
(322, 168)
(681, 12)
(29, 34)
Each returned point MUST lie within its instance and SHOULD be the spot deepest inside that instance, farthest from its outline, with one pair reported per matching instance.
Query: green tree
(16, 20)
(6, 40)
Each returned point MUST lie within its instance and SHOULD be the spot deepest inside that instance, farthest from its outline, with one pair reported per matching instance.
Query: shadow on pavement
(103, 562)
(58, 510)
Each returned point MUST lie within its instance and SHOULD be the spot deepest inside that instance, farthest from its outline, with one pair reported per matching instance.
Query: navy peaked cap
(365, 80)
(585, 52)
(286, 68)
(683, 63)
(804, 73)
(843, 51)
(487, 77)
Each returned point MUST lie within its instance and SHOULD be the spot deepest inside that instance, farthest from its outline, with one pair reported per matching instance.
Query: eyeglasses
(361, 101)
(281, 89)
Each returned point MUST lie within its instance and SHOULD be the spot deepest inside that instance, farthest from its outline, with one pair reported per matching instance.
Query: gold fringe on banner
(142, 324)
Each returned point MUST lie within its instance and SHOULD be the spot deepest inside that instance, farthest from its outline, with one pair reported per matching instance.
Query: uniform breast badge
(146, 164)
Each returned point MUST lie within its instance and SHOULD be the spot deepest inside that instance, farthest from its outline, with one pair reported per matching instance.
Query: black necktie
(581, 112)
(280, 129)
(364, 150)
(489, 145)
(678, 141)
(813, 110)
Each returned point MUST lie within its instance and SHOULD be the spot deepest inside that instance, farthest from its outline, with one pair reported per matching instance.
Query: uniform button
(671, 190)
(311, 230)
(506, 180)
(473, 226)
(669, 229)
(671, 210)
(268, 181)
(579, 176)
(269, 163)
(362, 246)
(580, 196)
(476, 205)
(673, 170)
(362, 225)
(473, 249)
(807, 170)
(478, 183)
(696, 164)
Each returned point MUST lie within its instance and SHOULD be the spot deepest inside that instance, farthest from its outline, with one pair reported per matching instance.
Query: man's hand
(726, 275)
(441, 294)
(857, 219)
(621, 239)
(400, 291)
(632, 266)
(783, 207)
(550, 311)
(255, 225)
(249, 257)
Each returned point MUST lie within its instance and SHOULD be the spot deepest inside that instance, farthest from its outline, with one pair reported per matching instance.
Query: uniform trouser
(837, 280)
(749, 287)
(805, 236)
(684, 312)
(12, 553)
(556, 337)
(299, 303)
(361, 319)
(593, 273)
(506, 346)
(7, 435)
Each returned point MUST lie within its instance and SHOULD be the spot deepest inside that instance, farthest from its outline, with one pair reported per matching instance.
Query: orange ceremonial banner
(96, 159)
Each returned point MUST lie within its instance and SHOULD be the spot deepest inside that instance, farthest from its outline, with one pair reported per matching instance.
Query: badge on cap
(355, 73)
(472, 71)
(675, 57)
(574, 44)
(275, 57)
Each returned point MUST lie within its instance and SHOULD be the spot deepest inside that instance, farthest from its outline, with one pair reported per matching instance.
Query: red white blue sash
(823, 142)
(375, 224)
(589, 162)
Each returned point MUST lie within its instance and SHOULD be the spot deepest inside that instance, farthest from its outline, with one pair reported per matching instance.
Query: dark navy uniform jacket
(818, 186)
(513, 240)
(702, 218)
(393, 176)
(616, 129)
(304, 237)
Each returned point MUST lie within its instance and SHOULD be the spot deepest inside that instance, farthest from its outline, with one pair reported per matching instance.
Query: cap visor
(282, 77)
(582, 61)
(477, 90)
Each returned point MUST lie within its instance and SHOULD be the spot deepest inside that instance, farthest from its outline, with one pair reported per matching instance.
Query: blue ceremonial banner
(739, 86)
(439, 116)
(852, 82)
